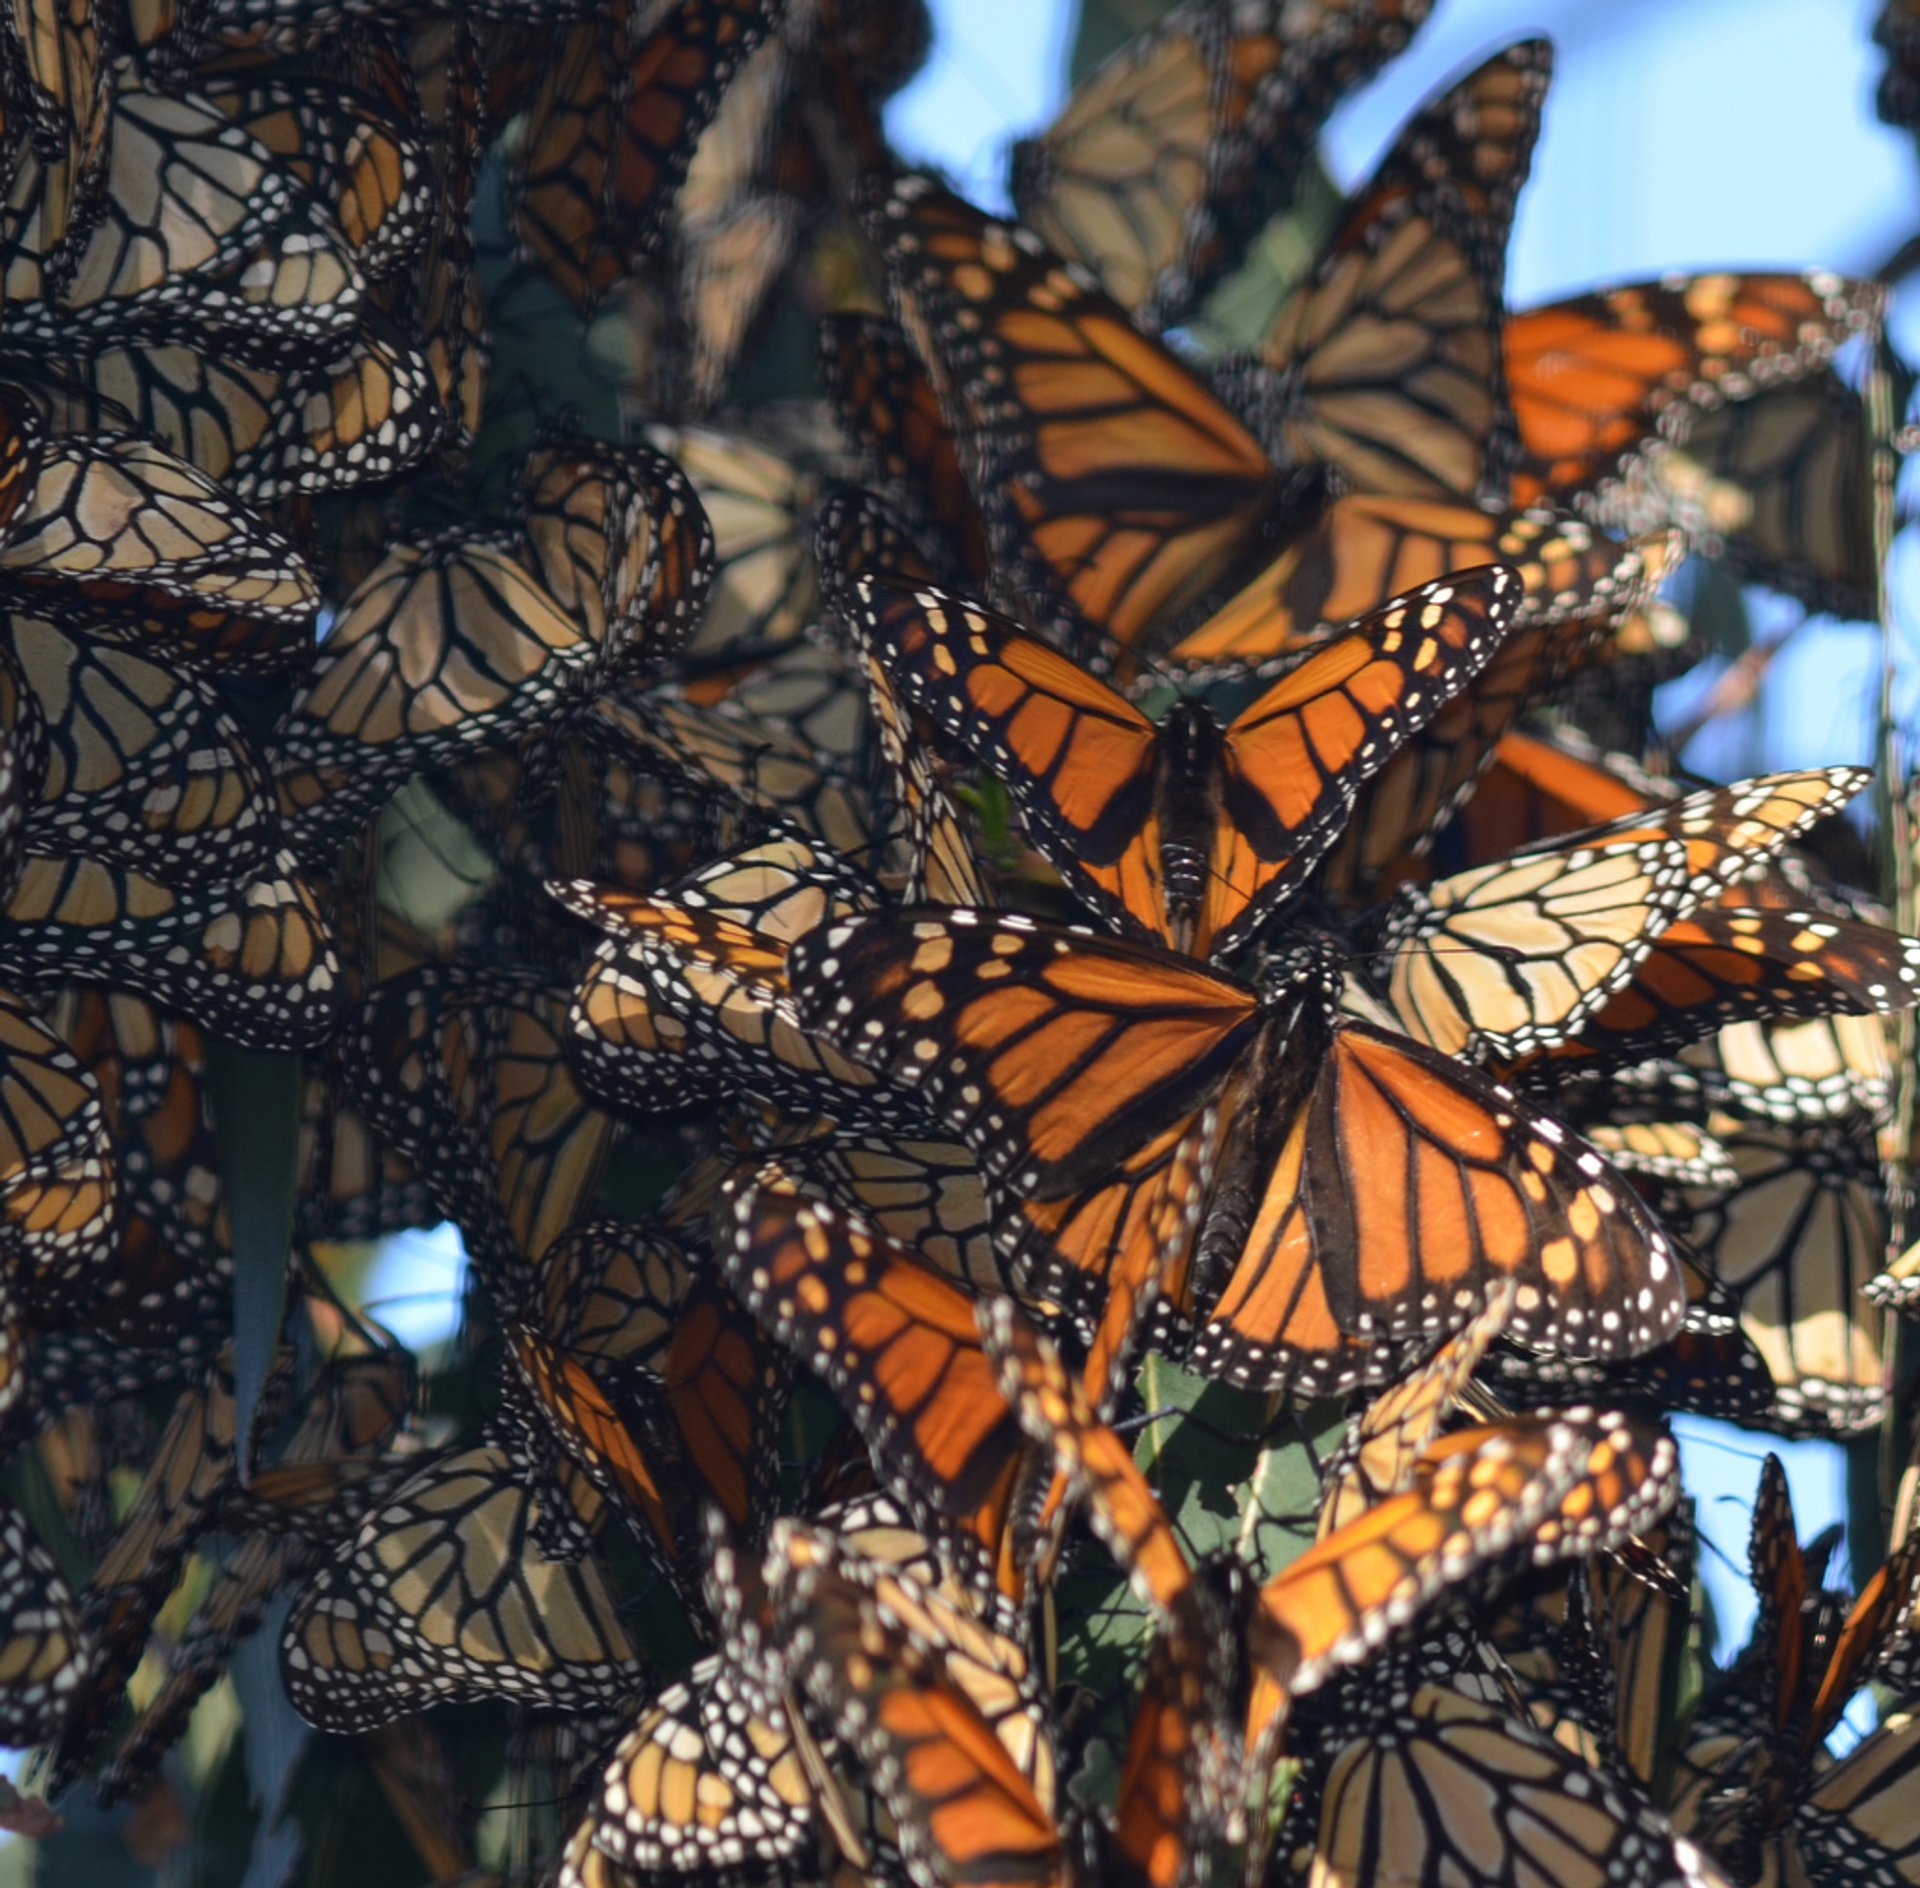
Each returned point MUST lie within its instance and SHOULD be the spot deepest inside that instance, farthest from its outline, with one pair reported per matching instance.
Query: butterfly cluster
(1093, 1130)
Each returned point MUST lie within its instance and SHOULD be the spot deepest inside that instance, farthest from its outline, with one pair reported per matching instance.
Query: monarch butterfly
(1450, 1785)
(690, 990)
(1111, 479)
(1583, 1478)
(1767, 1800)
(60, 1205)
(226, 239)
(442, 1595)
(1386, 363)
(343, 145)
(619, 536)
(1322, 1279)
(1596, 378)
(119, 520)
(1362, 548)
(253, 959)
(886, 405)
(1729, 962)
(57, 47)
(145, 767)
(559, 184)
(1779, 486)
(923, 1194)
(1798, 1236)
(1170, 153)
(944, 1712)
(765, 588)
(1509, 957)
(674, 83)
(725, 1773)
(49, 1661)
(363, 414)
(1184, 831)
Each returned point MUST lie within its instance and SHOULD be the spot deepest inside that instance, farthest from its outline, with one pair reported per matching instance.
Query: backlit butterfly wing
(1779, 486)
(1595, 378)
(669, 92)
(1797, 1237)
(1111, 478)
(443, 1595)
(1506, 958)
(1386, 365)
(765, 587)
(1174, 149)
(1363, 548)
(1726, 963)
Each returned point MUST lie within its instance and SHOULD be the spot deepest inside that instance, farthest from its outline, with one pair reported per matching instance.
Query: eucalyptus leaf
(255, 1096)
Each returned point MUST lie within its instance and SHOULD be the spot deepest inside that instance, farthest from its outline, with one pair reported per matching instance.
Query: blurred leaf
(255, 1097)
(275, 1736)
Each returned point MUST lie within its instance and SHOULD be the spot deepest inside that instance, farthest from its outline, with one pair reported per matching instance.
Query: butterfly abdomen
(1186, 790)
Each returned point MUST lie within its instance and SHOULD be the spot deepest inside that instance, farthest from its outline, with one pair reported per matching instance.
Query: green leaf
(255, 1098)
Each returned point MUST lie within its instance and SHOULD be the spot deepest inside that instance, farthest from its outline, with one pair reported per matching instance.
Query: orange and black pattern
(849, 1041)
